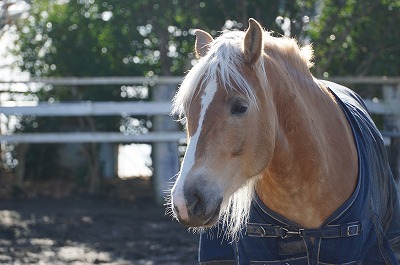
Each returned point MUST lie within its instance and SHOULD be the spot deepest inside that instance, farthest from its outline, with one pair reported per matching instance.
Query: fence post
(165, 154)
(392, 123)
(1, 144)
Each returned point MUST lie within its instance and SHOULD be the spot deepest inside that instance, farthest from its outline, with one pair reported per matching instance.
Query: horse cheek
(263, 145)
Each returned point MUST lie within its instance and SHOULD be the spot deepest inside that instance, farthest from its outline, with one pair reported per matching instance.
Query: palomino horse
(284, 168)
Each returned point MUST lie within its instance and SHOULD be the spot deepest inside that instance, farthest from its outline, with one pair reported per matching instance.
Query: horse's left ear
(253, 42)
(202, 45)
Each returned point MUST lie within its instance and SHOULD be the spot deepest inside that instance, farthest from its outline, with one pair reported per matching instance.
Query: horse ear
(203, 39)
(253, 42)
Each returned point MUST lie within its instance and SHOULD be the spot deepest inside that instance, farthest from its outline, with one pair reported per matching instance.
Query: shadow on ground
(91, 230)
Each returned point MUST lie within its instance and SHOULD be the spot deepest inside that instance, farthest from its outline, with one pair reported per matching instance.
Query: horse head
(221, 99)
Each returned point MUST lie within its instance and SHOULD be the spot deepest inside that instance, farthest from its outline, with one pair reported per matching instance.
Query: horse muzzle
(199, 209)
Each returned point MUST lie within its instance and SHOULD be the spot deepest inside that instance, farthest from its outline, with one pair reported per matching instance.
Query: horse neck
(314, 166)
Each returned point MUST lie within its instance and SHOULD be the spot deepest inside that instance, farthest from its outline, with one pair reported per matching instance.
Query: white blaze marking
(178, 197)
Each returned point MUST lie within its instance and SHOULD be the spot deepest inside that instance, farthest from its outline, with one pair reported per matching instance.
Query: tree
(10, 11)
(357, 38)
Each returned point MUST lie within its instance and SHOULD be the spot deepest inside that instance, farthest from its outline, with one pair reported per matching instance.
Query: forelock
(223, 64)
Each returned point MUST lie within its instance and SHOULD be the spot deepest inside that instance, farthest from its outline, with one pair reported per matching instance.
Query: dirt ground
(82, 229)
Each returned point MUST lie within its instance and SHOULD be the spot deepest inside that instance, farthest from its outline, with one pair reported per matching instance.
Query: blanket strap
(329, 231)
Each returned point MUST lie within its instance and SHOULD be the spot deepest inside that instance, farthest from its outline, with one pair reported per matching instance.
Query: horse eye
(238, 109)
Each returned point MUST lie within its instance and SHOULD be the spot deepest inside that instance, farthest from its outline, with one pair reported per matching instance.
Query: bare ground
(81, 229)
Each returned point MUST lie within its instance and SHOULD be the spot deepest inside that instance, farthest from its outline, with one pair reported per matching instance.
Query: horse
(280, 167)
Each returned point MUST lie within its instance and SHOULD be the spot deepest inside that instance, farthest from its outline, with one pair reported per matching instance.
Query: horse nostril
(196, 206)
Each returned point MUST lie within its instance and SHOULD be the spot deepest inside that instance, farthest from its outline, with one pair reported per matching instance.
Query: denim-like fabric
(367, 225)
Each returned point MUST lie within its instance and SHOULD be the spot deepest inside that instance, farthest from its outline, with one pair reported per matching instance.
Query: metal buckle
(263, 233)
(352, 230)
(285, 233)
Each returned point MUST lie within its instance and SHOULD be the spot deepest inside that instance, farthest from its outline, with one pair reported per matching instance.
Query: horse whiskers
(168, 206)
(168, 197)
(196, 230)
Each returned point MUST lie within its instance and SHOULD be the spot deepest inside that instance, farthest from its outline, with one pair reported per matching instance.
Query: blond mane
(289, 52)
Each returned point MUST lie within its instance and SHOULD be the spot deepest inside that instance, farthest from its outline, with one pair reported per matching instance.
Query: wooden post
(1, 144)
(164, 154)
(108, 156)
(392, 123)
(22, 149)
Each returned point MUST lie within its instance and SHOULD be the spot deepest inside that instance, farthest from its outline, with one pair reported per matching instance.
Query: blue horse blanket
(364, 230)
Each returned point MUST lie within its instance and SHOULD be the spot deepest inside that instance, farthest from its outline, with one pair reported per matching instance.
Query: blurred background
(88, 148)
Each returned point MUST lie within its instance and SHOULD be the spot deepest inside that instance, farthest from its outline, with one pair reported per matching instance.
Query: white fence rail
(89, 108)
(383, 107)
(93, 137)
(105, 80)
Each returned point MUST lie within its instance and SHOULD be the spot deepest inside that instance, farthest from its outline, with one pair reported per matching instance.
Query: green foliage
(149, 37)
(124, 37)
(76, 39)
(357, 38)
